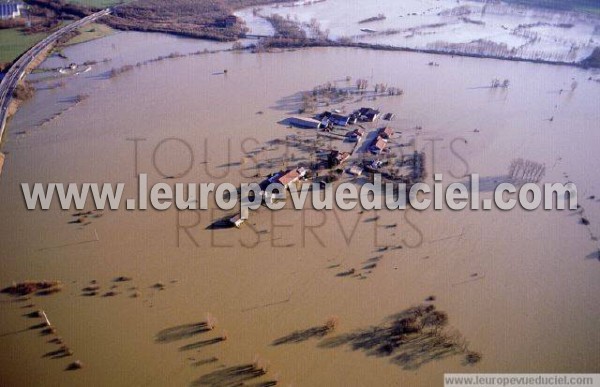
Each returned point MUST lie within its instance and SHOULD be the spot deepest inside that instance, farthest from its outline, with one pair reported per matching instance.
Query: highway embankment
(29, 61)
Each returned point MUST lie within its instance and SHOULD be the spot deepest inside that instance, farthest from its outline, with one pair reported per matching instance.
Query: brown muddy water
(520, 286)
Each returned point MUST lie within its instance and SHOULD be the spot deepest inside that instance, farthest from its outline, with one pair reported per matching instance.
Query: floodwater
(520, 286)
(437, 24)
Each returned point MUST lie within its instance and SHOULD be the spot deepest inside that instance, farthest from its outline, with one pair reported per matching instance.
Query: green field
(13, 43)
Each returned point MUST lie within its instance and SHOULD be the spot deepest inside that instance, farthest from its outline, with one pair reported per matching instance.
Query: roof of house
(340, 156)
(356, 132)
(289, 177)
(11, 3)
(305, 120)
(379, 143)
(386, 131)
(336, 116)
(368, 111)
(8, 8)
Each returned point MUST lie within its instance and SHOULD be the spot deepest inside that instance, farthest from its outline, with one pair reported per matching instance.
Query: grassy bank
(90, 32)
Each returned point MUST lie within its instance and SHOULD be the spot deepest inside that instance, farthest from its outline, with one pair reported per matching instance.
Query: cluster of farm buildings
(329, 119)
(347, 128)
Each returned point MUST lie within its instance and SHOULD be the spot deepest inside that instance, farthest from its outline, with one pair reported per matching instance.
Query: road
(19, 68)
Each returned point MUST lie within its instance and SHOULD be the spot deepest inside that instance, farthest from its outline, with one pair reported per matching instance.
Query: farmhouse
(368, 114)
(10, 9)
(337, 157)
(227, 22)
(378, 145)
(336, 119)
(356, 134)
(304, 122)
(386, 132)
(288, 177)
(339, 119)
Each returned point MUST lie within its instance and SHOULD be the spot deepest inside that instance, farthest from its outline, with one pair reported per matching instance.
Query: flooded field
(474, 27)
(306, 295)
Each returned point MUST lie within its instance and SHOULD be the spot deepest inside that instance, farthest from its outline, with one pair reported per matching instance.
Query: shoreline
(15, 103)
(384, 47)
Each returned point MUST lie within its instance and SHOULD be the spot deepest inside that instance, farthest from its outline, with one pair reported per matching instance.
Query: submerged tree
(526, 171)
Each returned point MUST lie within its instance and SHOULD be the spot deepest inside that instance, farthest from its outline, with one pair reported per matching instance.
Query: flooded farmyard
(296, 297)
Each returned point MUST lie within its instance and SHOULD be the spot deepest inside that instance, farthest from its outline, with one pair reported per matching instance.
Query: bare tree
(526, 171)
